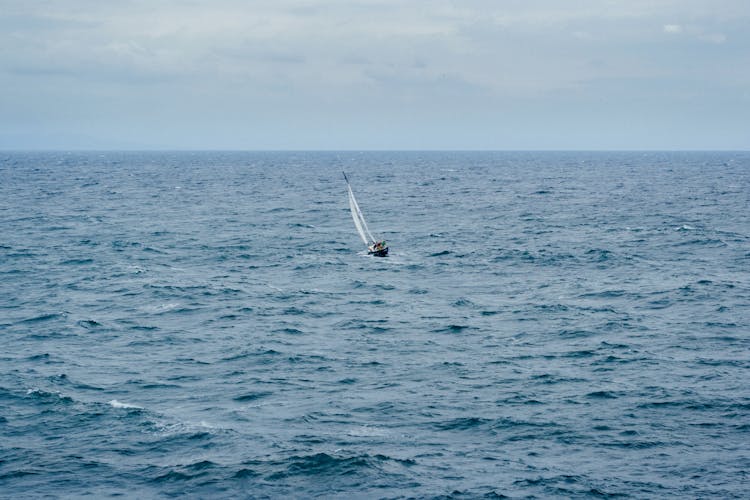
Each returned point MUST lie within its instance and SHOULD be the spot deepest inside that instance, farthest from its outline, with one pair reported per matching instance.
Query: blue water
(209, 324)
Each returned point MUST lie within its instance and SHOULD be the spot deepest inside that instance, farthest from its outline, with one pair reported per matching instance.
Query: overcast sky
(375, 74)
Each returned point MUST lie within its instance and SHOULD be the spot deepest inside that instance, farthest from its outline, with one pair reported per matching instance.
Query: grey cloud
(510, 65)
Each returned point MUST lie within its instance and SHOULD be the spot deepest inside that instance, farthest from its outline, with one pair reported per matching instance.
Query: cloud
(296, 58)
(694, 31)
(715, 38)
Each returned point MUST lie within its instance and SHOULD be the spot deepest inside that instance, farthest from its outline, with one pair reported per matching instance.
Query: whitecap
(116, 404)
(162, 308)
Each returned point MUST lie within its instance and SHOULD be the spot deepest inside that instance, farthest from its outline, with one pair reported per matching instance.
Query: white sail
(359, 219)
(356, 216)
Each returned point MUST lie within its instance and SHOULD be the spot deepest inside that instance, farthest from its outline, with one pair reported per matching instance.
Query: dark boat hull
(383, 252)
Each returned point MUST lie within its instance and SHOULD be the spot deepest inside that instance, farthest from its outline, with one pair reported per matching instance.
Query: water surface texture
(209, 324)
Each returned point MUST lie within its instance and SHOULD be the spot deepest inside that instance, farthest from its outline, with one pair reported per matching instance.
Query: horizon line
(366, 150)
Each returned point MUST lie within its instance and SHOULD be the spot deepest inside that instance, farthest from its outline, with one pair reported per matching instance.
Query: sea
(209, 325)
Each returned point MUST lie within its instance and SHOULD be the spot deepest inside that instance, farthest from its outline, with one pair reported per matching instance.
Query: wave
(322, 465)
(226, 340)
(117, 404)
(252, 396)
(44, 317)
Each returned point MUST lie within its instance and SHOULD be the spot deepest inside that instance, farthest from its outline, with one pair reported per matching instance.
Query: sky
(375, 74)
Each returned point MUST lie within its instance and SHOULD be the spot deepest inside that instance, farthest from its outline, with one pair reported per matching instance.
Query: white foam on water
(117, 404)
(161, 308)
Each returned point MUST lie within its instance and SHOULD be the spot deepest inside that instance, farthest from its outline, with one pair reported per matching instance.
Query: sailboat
(375, 246)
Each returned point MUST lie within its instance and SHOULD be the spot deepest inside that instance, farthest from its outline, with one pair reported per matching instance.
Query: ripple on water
(208, 324)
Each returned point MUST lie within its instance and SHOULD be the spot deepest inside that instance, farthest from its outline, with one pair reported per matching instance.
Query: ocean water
(209, 325)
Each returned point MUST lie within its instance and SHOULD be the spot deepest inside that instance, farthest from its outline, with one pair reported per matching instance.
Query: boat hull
(383, 252)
